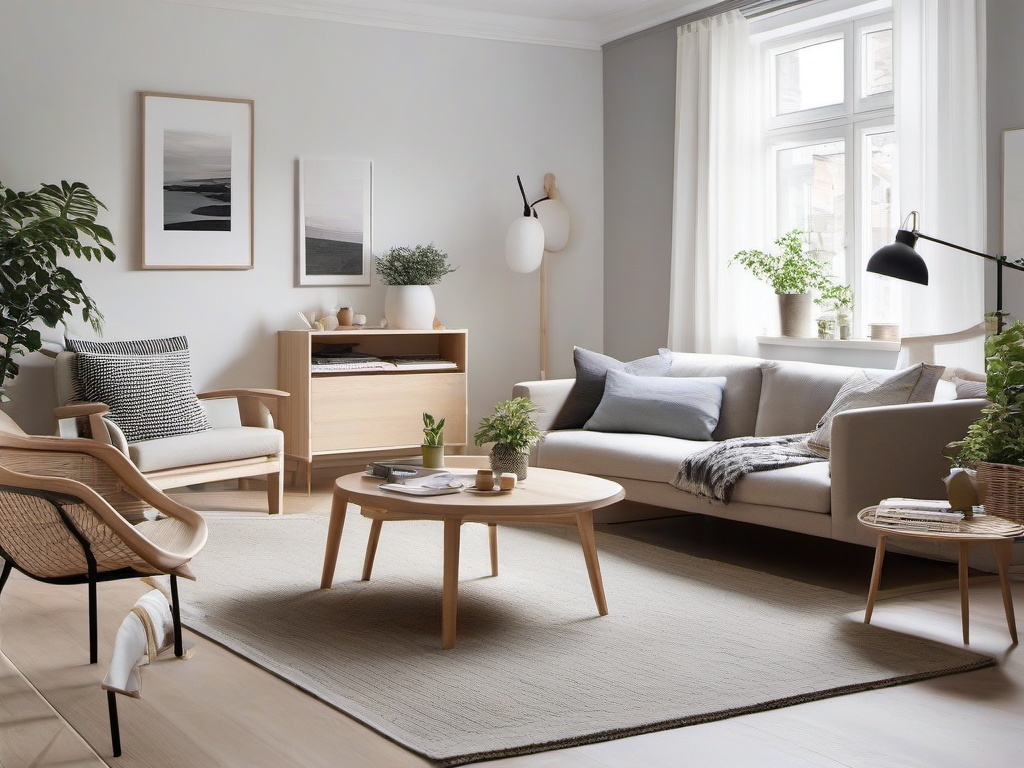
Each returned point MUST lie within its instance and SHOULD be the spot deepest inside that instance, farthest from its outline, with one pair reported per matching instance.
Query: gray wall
(639, 128)
(447, 121)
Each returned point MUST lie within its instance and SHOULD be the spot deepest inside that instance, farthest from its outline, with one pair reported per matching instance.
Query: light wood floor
(218, 710)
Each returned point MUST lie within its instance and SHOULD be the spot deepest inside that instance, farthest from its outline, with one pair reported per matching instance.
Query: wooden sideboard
(371, 413)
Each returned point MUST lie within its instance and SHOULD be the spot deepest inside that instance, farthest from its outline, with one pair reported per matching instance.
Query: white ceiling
(571, 23)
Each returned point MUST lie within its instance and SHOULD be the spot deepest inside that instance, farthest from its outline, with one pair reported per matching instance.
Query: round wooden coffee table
(979, 529)
(546, 496)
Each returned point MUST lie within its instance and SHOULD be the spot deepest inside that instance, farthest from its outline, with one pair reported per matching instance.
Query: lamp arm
(1001, 260)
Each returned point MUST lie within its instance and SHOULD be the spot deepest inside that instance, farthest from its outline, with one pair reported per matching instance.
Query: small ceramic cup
(507, 481)
(484, 480)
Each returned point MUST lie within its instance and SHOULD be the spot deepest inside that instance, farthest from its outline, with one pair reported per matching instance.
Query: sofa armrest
(892, 451)
(550, 395)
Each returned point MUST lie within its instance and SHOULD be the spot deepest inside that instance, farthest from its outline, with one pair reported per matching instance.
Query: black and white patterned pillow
(128, 346)
(149, 396)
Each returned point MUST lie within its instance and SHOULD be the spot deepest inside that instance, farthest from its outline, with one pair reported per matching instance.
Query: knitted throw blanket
(713, 473)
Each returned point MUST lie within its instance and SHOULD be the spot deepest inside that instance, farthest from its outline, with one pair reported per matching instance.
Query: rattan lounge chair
(76, 511)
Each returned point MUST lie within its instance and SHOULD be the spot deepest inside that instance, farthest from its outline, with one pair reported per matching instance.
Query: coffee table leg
(450, 599)
(965, 611)
(492, 535)
(338, 508)
(1004, 554)
(585, 525)
(876, 578)
(371, 548)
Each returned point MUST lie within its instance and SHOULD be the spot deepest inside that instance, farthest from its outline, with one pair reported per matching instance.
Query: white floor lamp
(543, 227)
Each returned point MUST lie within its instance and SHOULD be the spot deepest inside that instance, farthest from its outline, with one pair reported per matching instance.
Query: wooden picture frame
(197, 182)
(334, 221)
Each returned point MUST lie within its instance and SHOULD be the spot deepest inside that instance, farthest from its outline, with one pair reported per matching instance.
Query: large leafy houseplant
(792, 270)
(36, 228)
(998, 436)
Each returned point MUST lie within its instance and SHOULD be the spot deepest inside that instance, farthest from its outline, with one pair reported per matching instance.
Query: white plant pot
(410, 307)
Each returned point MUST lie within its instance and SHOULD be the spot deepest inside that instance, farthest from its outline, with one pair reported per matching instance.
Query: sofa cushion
(742, 388)
(636, 456)
(909, 385)
(686, 408)
(807, 487)
(795, 395)
(149, 396)
(588, 388)
(227, 444)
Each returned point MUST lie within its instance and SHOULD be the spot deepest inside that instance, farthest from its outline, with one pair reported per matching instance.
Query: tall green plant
(35, 229)
(512, 424)
(791, 270)
(998, 436)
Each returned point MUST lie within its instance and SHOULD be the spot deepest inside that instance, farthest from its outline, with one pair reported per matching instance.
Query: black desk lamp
(901, 261)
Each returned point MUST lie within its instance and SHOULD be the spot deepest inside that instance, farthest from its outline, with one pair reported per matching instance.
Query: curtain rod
(749, 8)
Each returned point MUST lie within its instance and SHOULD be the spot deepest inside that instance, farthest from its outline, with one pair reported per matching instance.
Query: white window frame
(851, 122)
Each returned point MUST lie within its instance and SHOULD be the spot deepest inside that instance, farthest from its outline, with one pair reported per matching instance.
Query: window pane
(809, 77)
(876, 62)
(882, 295)
(811, 193)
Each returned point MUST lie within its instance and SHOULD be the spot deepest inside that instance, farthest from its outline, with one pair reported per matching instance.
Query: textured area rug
(687, 640)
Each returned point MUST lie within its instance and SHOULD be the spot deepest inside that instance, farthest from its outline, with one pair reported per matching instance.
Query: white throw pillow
(910, 385)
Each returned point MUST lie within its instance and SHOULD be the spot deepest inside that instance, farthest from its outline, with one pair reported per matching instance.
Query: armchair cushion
(227, 444)
(128, 346)
(149, 396)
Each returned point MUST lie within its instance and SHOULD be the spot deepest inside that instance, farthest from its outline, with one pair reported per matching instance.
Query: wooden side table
(976, 530)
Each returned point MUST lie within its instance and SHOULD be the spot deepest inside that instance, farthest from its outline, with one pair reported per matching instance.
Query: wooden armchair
(242, 442)
(77, 511)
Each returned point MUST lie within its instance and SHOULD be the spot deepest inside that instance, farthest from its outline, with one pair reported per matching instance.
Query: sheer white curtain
(939, 58)
(717, 208)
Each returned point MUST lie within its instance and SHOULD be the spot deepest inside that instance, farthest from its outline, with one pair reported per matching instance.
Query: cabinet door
(370, 411)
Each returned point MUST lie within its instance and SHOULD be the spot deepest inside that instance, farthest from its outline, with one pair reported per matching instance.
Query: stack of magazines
(918, 514)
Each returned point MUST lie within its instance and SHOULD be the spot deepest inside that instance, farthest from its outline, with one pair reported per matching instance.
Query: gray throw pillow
(687, 408)
(909, 385)
(591, 368)
(149, 396)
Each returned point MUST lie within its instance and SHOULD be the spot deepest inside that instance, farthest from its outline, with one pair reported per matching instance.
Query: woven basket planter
(504, 458)
(1004, 495)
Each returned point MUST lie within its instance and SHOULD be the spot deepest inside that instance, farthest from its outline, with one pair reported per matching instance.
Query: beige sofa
(876, 452)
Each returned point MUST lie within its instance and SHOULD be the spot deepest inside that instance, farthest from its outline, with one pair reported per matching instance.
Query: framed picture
(334, 222)
(197, 155)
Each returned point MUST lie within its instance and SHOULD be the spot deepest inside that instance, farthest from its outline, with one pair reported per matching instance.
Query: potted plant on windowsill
(839, 299)
(433, 442)
(994, 444)
(513, 430)
(35, 228)
(794, 273)
(409, 273)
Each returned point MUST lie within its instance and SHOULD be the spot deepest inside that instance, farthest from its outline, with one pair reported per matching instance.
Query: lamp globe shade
(554, 217)
(900, 260)
(524, 244)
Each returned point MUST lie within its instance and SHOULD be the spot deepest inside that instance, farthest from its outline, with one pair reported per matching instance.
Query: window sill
(850, 344)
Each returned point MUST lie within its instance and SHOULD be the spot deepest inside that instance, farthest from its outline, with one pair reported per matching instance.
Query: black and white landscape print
(333, 221)
(197, 181)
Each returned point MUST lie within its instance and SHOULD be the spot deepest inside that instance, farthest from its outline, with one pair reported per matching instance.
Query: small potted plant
(794, 273)
(839, 299)
(513, 430)
(994, 444)
(409, 273)
(433, 442)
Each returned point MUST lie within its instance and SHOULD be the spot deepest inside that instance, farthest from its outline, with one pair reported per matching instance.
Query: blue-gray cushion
(591, 368)
(682, 407)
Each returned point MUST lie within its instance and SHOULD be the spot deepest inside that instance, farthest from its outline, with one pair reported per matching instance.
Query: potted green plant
(433, 442)
(994, 444)
(794, 273)
(839, 299)
(35, 229)
(409, 273)
(513, 430)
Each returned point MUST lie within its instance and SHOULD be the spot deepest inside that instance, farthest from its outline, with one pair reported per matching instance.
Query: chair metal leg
(176, 616)
(6, 573)
(115, 729)
(93, 631)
